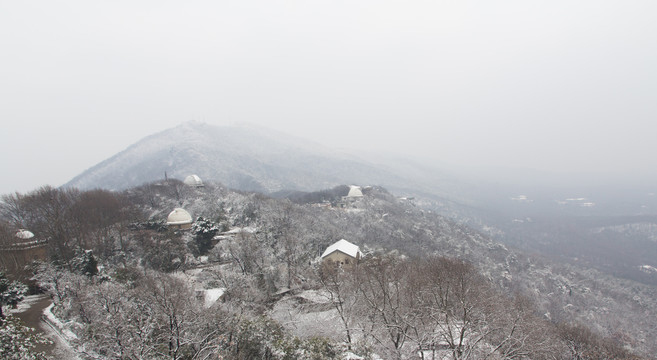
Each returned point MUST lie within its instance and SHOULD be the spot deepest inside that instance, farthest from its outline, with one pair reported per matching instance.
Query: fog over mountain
(250, 157)
(553, 86)
(605, 225)
(244, 157)
(517, 136)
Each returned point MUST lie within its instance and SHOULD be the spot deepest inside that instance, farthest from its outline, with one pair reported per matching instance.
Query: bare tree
(122, 323)
(341, 285)
(285, 237)
(248, 253)
(584, 344)
(382, 286)
(46, 212)
(13, 209)
(99, 218)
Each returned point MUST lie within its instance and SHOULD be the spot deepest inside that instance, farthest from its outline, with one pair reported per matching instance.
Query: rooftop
(343, 246)
(179, 216)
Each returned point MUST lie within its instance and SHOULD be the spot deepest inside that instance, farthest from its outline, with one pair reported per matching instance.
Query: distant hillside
(253, 158)
(241, 157)
(520, 209)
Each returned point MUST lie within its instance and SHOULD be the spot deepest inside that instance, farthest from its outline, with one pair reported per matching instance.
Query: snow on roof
(179, 216)
(24, 234)
(193, 180)
(237, 230)
(354, 191)
(212, 295)
(343, 246)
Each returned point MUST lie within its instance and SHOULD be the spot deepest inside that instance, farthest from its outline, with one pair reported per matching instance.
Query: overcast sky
(549, 85)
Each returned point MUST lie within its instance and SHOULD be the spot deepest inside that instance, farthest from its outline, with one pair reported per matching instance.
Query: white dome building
(25, 249)
(355, 192)
(193, 180)
(180, 218)
(24, 234)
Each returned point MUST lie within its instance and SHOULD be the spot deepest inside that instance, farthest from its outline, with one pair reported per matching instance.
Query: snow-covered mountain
(542, 219)
(242, 157)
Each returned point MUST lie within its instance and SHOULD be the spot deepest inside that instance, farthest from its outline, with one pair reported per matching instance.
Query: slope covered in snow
(241, 157)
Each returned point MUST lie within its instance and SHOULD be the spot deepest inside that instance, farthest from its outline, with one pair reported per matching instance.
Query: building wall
(181, 226)
(14, 260)
(340, 258)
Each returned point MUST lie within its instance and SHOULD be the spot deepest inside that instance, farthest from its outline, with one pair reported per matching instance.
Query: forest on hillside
(127, 286)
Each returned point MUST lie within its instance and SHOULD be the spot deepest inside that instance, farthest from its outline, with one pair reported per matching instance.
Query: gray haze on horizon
(555, 86)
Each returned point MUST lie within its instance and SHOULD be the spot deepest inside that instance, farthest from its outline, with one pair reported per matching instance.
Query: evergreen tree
(204, 231)
(11, 293)
(84, 263)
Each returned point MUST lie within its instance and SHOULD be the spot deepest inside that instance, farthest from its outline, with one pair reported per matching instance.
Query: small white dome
(193, 180)
(24, 234)
(179, 216)
(355, 191)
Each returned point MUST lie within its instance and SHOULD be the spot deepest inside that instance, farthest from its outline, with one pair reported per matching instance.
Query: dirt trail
(32, 318)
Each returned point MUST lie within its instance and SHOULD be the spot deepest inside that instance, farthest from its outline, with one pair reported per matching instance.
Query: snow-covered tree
(84, 263)
(11, 293)
(341, 285)
(204, 231)
(17, 341)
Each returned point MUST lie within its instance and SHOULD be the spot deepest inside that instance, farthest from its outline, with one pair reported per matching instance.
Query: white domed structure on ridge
(179, 218)
(193, 180)
(24, 234)
(354, 192)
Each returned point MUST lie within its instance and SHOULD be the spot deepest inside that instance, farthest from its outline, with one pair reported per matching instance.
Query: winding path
(32, 317)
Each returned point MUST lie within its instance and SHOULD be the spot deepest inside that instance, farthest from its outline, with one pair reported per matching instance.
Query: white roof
(24, 234)
(193, 180)
(212, 295)
(343, 246)
(238, 230)
(354, 191)
(179, 216)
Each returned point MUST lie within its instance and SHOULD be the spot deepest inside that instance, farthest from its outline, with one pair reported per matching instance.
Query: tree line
(398, 306)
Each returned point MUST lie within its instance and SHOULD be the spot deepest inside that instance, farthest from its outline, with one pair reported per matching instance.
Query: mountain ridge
(524, 214)
(243, 157)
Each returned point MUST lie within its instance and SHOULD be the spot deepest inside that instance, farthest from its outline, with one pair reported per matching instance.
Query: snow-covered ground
(199, 279)
(308, 314)
(52, 320)
(316, 296)
(60, 335)
(26, 304)
(51, 327)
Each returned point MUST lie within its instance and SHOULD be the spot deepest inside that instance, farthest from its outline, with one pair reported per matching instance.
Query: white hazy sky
(549, 85)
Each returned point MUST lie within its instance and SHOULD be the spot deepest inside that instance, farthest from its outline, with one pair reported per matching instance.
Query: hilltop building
(355, 192)
(343, 253)
(23, 250)
(24, 234)
(179, 218)
(193, 180)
